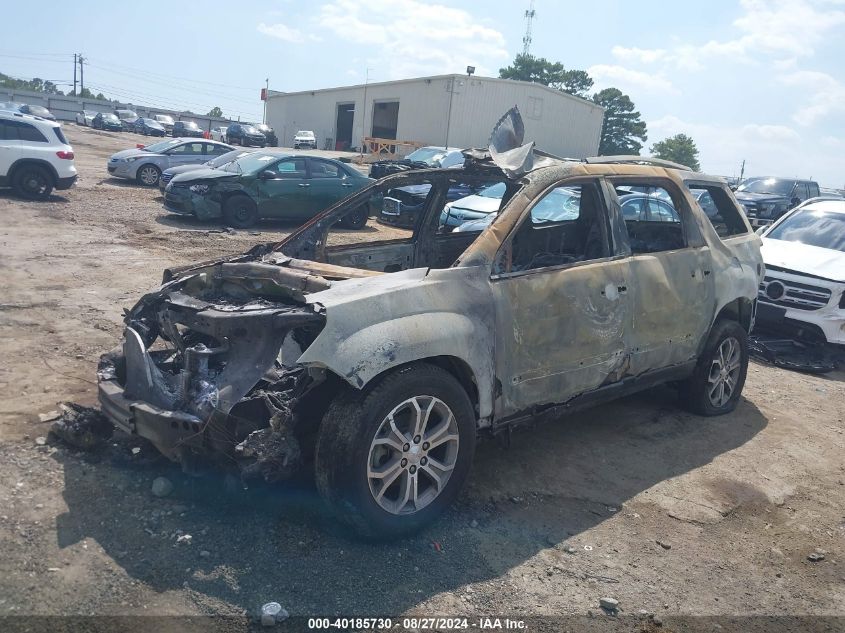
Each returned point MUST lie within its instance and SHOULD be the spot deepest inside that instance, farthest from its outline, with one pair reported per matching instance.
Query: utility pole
(266, 96)
(526, 40)
(74, 75)
(742, 171)
(449, 115)
(81, 74)
(364, 112)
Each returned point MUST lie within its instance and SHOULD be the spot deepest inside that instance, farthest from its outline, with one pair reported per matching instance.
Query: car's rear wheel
(148, 175)
(390, 460)
(716, 384)
(356, 219)
(240, 212)
(33, 182)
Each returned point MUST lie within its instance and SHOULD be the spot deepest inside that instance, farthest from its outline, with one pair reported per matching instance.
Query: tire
(356, 219)
(240, 212)
(356, 432)
(33, 182)
(148, 175)
(716, 384)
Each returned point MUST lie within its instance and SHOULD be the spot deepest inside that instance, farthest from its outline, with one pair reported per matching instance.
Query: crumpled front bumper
(167, 430)
(181, 200)
(182, 401)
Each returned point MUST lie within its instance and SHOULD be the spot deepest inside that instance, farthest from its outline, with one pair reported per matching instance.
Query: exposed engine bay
(212, 354)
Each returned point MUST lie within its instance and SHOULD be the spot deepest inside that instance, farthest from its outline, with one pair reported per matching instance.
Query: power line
(166, 76)
(158, 82)
(143, 99)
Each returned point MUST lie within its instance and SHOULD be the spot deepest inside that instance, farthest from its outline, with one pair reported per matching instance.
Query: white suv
(35, 156)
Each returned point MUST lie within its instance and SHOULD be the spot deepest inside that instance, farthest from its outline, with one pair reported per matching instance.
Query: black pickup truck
(765, 199)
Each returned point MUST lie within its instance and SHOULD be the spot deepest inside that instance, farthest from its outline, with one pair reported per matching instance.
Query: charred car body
(377, 365)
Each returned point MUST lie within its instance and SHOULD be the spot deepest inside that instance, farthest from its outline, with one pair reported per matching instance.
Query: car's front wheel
(240, 212)
(390, 460)
(148, 175)
(716, 384)
(33, 182)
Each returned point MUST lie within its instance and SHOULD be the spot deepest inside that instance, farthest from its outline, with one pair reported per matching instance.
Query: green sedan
(266, 184)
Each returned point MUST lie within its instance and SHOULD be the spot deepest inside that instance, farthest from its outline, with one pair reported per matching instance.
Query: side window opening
(322, 169)
(290, 169)
(568, 225)
(30, 133)
(651, 219)
(471, 207)
(719, 209)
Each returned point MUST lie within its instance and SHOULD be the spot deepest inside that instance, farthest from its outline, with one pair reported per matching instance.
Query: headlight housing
(132, 159)
(771, 209)
(199, 189)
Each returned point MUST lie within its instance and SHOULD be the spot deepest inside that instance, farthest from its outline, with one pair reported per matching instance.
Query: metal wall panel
(560, 124)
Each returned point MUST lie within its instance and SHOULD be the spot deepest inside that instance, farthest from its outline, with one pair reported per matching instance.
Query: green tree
(575, 82)
(541, 71)
(622, 128)
(36, 84)
(215, 111)
(679, 149)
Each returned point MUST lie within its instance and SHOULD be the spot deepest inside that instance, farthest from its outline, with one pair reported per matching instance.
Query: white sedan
(85, 117)
(218, 134)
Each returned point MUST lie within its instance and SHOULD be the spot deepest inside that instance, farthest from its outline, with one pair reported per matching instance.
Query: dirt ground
(636, 500)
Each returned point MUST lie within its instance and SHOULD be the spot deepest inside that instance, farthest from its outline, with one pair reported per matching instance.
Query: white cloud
(641, 55)
(411, 38)
(606, 75)
(767, 149)
(784, 28)
(825, 95)
(285, 33)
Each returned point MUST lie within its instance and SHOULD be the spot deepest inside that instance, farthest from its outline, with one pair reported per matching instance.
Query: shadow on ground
(554, 482)
(9, 194)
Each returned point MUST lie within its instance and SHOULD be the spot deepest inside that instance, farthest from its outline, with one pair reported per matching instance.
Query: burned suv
(378, 365)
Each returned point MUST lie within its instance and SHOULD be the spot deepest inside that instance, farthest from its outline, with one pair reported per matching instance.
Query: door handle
(304, 184)
(346, 184)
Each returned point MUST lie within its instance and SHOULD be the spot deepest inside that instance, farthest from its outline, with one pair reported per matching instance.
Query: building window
(535, 108)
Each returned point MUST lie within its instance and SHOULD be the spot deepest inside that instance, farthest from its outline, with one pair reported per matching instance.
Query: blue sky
(760, 80)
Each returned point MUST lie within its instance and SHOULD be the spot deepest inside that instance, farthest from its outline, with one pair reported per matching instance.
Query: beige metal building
(453, 110)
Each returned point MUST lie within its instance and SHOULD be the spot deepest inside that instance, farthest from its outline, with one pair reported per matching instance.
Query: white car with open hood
(804, 288)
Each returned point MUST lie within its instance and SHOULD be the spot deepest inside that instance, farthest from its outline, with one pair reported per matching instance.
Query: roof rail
(635, 160)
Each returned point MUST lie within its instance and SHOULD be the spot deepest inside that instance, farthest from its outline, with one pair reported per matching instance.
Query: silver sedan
(145, 164)
(84, 117)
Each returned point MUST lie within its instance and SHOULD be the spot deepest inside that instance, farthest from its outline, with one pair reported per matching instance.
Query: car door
(329, 182)
(562, 306)
(285, 195)
(186, 154)
(671, 286)
(10, 146)
(211, 151)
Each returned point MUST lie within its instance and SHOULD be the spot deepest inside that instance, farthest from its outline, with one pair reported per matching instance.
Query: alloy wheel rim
(412, 455)
(148, 175)
(35, 184)
(724, 372)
